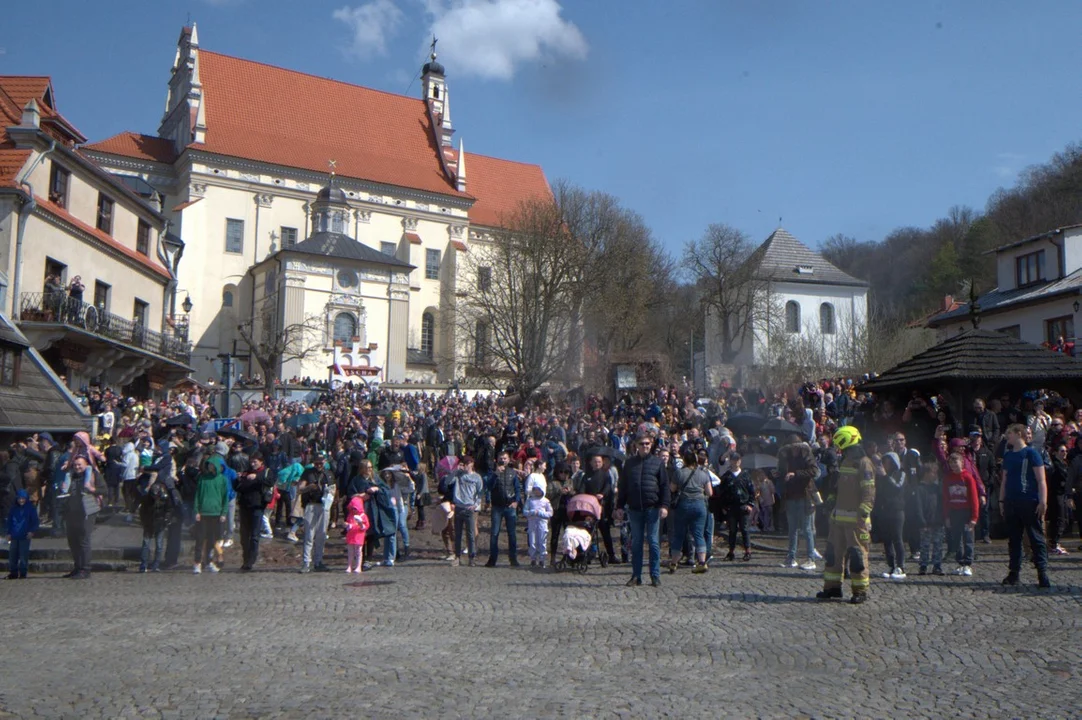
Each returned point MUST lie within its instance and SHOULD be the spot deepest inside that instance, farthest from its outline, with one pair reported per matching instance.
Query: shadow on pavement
(753, 598)
(368, 583)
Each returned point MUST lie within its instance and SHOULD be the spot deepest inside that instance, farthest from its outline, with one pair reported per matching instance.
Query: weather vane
(332, 164)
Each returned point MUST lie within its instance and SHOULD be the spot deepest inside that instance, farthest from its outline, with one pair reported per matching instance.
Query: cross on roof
(332, 164)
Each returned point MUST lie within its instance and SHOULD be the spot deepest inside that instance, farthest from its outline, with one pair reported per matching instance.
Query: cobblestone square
(427, 640)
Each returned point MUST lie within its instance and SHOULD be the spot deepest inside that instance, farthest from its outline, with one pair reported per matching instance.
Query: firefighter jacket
(856, 489)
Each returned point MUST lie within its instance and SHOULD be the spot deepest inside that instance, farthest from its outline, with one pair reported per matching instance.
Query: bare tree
(272, 346)
(722, 264)
(518, 318)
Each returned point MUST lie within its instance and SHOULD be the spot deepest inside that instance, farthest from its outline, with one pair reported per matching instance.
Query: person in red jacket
(961, 503)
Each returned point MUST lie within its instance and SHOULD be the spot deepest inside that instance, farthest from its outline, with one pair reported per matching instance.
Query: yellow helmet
(846, 437)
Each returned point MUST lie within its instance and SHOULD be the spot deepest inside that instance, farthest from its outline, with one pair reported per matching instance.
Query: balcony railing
(65, 310)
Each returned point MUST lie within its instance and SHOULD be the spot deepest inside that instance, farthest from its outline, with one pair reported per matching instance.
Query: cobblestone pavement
(427, 640)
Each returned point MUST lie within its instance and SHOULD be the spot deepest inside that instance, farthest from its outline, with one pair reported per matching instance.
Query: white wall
(1030, 319)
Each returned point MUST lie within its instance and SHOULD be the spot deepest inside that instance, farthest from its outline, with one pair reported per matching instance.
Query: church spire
(434, 93)
(460, 174)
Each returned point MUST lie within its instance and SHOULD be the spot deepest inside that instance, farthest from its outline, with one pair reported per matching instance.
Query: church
(314, 206)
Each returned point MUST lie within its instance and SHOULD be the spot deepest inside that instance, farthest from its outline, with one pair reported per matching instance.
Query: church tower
(185, 118)
(435, 94)
(330, 210)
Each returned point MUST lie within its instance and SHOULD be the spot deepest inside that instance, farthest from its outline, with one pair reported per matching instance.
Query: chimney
(31, 115)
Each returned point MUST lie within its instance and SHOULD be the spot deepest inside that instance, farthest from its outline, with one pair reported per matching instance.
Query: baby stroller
(579, 540)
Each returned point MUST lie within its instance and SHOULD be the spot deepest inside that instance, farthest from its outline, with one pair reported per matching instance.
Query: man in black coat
(644, 491)
(252, 489)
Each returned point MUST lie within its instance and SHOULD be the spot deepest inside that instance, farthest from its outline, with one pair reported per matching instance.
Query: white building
(240, 154)
(804, 305)
(1036, 299)
(86, 263)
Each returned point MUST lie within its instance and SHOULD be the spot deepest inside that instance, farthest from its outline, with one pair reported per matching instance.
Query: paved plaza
(427, 640)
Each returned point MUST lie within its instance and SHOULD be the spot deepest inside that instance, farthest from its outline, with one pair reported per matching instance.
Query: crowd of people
(656, 464)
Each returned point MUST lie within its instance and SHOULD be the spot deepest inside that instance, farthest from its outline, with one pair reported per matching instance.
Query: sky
(839, 117)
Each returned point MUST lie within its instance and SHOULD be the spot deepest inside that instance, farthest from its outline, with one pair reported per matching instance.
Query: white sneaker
(960, 571)
(789, 564)
(887, 575)
(228, 543)
(967, 571)
(292, 537)
(450, 557)
(815, 555)
(211, 567)
(197, 569)
(898, 574)
(808, 566)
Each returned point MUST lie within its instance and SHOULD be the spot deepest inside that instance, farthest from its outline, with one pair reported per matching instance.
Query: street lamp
(187, 304)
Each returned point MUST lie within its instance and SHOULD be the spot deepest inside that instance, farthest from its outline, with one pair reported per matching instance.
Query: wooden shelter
(980, 363)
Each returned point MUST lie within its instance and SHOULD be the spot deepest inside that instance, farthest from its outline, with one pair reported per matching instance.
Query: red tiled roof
(274, 115)
(18, 90)
(501, 186)
(135, 145)
(413, 238)
(11, 163)
(459, 245)
(186, 204)
(285, 117)
(104, 237)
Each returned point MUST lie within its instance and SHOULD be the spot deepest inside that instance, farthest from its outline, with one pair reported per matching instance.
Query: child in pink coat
(356, 527)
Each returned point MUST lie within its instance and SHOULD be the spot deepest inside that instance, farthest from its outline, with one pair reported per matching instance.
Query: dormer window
(1029, 268)
(805, 270)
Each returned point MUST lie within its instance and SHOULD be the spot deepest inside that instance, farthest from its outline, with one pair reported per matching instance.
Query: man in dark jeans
(505, 486)
(1022, 503)
(251, 502)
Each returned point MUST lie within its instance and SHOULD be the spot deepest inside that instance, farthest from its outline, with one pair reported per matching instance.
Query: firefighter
(850, 523)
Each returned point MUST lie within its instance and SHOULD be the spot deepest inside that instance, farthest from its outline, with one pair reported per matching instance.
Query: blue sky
(847, 117)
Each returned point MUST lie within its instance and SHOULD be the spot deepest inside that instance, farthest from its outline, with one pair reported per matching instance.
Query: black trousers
(251, 525)
(738, 522)
(604, 527)
(559, 522)
(79, 529)
(207, 532)
(892, 532)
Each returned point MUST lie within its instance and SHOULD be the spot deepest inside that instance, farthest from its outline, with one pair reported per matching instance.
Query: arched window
(480, 350)
(428, 334)
(792, 316)
(826, 319)
(227, 298)
(345, 327)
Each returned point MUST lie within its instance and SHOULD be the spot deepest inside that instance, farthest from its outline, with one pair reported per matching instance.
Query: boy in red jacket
(961, 503)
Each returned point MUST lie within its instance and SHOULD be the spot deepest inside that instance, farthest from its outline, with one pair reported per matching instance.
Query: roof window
(805, 270)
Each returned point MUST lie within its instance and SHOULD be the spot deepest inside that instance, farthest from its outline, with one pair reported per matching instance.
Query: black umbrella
(179, 420)
(604, 451)
(304, 419)
(776, 426)
(758, 461)
(745, 423)
(238, 434)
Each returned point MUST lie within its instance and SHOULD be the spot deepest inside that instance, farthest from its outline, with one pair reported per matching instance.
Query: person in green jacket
(211, 501)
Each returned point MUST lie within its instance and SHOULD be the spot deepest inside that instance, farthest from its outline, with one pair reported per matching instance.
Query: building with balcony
(87, 268)
(239, 157)
(1038, 292)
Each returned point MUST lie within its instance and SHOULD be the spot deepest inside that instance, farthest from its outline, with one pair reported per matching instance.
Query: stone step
(51, 567)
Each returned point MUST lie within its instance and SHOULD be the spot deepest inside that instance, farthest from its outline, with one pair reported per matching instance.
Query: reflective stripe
(859, 583)
(847, 520)
(848, 470)
(867, 483)
(832, 576)
(845, 513)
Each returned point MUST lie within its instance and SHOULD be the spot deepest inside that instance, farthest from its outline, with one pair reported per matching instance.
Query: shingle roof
(332, 244)
(284, 117)
(136, 145)
(39, 402)
(978, 355)
(782, 254)
(997, 300)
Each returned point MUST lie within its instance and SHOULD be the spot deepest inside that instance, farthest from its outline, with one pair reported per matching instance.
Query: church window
(432, 264)
(428, 334)
(480, 349)
(227, 298)
(826, 319)
(289, 237)
(388, 248)
(234, 235)
(345, 327)
(792, 316)
(484, 278)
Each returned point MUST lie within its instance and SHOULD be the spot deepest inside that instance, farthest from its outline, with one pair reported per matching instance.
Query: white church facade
(240, 155)
(806, 311)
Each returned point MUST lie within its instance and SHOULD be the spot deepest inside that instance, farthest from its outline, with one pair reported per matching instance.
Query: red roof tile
(274, 115)
(18, 90)
(413, 238)
(102, 236)
(11, 162)
(135, 145)
(501, 186)
(459, 245)
(186, 204)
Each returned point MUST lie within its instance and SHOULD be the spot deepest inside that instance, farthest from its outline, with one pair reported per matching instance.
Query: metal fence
(66, 310)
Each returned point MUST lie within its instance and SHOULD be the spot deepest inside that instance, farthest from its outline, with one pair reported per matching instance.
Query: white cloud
(370, 25)
(492, 38)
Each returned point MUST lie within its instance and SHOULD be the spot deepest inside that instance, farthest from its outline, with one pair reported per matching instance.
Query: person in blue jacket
(21, 526)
